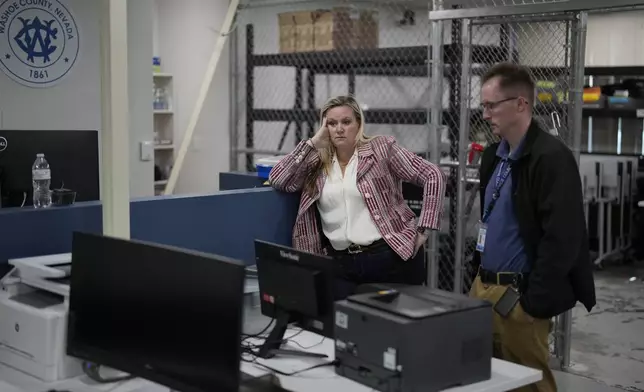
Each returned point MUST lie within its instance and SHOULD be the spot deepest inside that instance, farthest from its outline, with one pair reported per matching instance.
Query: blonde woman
(352, 206)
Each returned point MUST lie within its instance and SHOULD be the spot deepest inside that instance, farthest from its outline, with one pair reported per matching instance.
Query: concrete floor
(608, 343)
(567, 382)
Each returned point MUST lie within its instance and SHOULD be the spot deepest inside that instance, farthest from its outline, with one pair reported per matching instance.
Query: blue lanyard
(501, 176)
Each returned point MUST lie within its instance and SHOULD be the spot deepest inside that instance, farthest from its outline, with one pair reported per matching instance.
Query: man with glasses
(532, 247)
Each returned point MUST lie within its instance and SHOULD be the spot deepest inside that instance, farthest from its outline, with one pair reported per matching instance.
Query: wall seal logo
(39, 41)
(3, 143)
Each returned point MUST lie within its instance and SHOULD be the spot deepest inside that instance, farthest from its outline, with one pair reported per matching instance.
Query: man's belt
(501, 278)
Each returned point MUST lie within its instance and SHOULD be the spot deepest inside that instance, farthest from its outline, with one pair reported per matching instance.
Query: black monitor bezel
(129, 365)
(265, 251)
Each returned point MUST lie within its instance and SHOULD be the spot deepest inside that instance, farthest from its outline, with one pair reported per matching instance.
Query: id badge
(480, 242)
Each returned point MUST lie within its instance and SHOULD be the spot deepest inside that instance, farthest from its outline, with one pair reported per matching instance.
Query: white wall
(187, 32)
(615, 39)
(75, 102)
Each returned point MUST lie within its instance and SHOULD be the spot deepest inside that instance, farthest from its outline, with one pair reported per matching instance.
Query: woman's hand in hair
(321, 138)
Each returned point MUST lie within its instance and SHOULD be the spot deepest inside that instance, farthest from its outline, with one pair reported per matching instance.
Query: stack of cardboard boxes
(322, 30)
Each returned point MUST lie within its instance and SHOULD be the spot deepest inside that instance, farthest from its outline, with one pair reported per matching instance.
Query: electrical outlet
(147, 151)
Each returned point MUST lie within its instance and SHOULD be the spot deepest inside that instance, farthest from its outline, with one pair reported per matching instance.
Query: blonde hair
(326, 154)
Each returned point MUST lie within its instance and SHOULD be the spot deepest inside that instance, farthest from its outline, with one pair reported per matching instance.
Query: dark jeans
(378, 265)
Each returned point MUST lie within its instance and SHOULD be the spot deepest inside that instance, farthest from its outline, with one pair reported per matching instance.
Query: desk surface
(505, 375)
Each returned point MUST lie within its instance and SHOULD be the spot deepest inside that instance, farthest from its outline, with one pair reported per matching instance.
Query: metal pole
(578, 87)
(250, 96)
(435, 125)
(464, 133)
(234, 100)
(579, 56)
(454, 57)
(522, 19)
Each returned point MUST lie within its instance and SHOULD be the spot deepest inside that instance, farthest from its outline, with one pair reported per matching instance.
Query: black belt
(501, 278)
(354, 249)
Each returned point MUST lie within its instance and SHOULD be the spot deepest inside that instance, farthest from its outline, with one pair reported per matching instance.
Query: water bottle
(159, 99)
(41, 178)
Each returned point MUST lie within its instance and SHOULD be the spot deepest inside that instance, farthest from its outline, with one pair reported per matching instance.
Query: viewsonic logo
(290, 256)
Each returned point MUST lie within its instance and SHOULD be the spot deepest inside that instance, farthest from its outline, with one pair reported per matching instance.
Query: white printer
(33, 318)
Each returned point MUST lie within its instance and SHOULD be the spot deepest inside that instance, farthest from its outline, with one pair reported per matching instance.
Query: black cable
(294, 335)
(251, 349)
(305, 347)
(254, 361)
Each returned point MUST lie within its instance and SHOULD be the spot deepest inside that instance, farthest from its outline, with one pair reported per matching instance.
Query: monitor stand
(273, 342)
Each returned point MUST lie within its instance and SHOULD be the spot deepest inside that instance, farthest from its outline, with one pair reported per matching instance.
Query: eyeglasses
(494, 105)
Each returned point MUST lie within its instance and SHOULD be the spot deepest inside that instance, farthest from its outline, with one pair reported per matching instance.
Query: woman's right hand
(321, 138)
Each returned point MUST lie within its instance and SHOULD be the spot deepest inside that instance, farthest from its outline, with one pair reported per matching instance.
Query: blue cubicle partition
(224, 223)
(240, 180)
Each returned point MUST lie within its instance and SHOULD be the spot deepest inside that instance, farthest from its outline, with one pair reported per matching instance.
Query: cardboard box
(296, 32)
(346, 28)
(367, 33)
(304, 38)
(321, 30)
(287, 32)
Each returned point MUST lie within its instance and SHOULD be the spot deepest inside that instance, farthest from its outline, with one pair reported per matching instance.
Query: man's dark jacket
(548, 203)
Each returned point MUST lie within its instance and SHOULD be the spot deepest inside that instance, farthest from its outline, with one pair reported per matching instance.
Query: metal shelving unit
(402, 61)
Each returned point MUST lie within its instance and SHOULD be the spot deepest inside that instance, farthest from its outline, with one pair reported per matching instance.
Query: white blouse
(345, 216)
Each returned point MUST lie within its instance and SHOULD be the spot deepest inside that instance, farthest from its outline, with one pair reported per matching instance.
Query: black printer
(413, 339)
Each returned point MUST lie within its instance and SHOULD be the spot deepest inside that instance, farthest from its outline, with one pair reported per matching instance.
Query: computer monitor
(168, 315)
(296, 287)
(72, 155)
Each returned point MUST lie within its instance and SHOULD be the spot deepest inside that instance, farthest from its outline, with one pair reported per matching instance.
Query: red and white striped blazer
(382, 167)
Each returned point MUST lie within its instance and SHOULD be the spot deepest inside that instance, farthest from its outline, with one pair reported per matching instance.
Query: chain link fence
(551, 47)
(291, 57)
(548, 58)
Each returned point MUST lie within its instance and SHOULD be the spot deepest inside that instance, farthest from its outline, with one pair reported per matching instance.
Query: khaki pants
(519, 338)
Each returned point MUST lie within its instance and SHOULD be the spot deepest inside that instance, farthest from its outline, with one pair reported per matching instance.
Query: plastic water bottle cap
(40, 155)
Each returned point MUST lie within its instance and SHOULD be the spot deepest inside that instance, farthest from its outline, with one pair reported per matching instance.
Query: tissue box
(265, 165)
